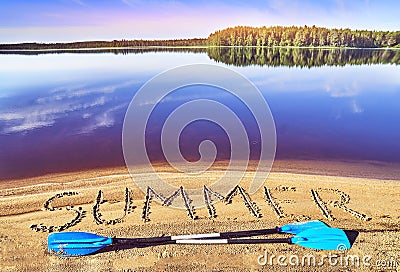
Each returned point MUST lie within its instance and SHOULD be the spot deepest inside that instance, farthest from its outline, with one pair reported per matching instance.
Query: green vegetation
(104, 44)
(303, 36)
(245, 36)
(109, 50)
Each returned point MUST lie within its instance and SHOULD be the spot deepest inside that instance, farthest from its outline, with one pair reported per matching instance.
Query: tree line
(109, 50)
(106, 44)
(245, 36)
(303, 36)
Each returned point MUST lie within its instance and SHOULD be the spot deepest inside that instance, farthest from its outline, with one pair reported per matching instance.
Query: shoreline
(335, 168)
(100, 48)
(193, 47)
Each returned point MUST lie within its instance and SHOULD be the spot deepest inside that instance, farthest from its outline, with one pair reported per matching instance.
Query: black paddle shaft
(223, 235)
(248, 233)
(151, 241)
(137, 241)
(261, 241)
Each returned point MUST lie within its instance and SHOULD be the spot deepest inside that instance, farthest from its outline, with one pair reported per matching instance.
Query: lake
(63, 111)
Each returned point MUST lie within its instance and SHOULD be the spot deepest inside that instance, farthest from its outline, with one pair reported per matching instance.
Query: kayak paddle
(83, 243)
(96, 242)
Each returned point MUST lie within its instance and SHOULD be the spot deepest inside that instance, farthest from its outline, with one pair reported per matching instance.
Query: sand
(364, 198)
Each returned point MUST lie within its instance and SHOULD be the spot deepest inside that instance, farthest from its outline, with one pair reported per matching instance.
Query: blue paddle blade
(322, 238)
(298, 227)
(76, 243)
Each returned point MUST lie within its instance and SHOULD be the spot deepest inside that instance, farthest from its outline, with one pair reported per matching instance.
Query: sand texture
(107, 202)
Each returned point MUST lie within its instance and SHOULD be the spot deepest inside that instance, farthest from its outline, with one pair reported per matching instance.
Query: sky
(79, 20)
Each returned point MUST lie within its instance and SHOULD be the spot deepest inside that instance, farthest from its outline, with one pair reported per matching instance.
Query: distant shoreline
(101, 48)
(191, 47)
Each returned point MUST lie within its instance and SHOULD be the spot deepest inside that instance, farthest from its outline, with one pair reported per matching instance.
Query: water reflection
(300, 57)
(263, 56)
(65, 112)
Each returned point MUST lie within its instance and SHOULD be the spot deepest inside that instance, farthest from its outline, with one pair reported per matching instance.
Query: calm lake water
(64, 112)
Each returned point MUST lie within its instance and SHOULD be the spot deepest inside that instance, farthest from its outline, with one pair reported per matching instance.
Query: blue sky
(76, 20)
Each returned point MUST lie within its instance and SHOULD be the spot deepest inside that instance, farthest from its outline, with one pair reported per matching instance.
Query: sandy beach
(362, 197)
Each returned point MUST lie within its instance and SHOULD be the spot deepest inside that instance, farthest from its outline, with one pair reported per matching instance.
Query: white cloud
(100, 121)
(28, 125)
(355, 107)
(86, 115)
(103, 120)
(78, 91)
(10, 116)
(347, 90)
(44, 114)
(59, 102)
(79, 2)
(100, 101)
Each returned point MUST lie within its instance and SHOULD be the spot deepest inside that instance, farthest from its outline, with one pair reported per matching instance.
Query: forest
(107, 50)
(105, 44)
(303, 36)
(245, 36)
